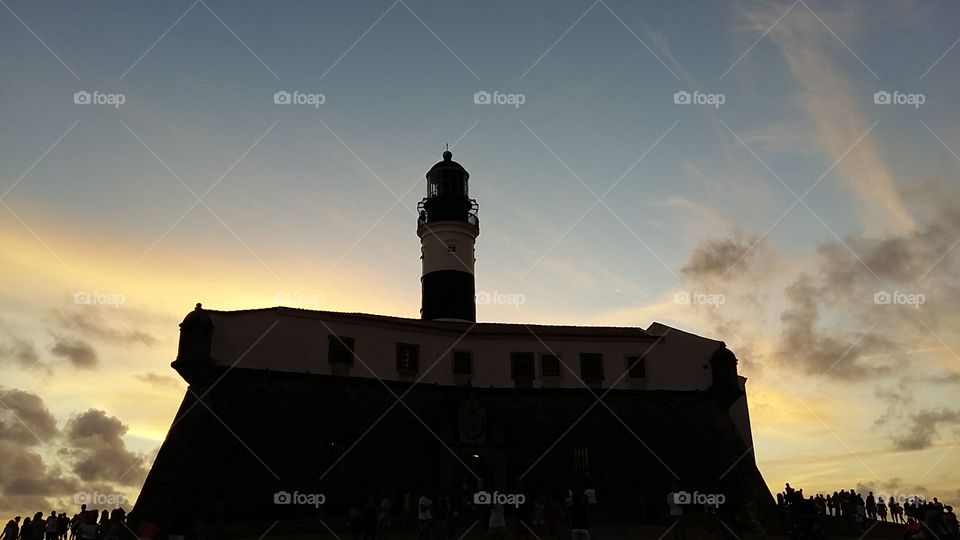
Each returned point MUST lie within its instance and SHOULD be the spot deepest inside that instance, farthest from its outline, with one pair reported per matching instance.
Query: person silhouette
(12, 530)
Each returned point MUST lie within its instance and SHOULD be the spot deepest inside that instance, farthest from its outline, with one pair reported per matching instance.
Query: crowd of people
(84, 525)
(442, 516)
(548, 515)
(433, 516)
(921, 519)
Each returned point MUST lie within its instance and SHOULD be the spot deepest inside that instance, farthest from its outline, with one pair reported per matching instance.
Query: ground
(336, 531)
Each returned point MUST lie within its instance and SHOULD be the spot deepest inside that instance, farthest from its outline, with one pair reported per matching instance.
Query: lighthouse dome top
(446, 166)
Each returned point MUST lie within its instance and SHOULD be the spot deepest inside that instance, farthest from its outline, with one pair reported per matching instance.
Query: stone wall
(258, 432)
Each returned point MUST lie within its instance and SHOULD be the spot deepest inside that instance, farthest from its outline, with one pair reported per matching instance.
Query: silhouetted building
(285, 400)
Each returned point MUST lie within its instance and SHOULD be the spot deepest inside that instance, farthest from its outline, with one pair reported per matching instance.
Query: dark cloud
(839, 321)
(730, 268)
(909, 426)
(923, 426)
(844, 304)
(78, 352)
(724, 259)
(948, 377)
(73, 332)
(44, 467)
(808, 346)
(20, 352)
(24, 418)
(943, 378)
(27, 482)
(25, 479)
(892, 483)
(90, 320)
(98, 452)
(156, 379)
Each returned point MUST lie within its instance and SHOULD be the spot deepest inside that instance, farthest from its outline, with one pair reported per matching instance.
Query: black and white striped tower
(448, 228)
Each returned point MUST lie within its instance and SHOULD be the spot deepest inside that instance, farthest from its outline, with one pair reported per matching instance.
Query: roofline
(478, 329)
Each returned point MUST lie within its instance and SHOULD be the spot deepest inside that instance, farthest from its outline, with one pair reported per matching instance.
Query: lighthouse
(448, 228)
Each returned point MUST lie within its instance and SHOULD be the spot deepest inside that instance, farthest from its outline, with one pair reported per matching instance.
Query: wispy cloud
(833, 103)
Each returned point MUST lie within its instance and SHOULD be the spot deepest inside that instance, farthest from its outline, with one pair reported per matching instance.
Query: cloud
(63, 324)
(723, 259)
(806, 345)
(91, 322)
(156, 379)
(781, 138)
(733, 267)
(831, 325)
(78, 352)
(26, 425)
(922, 427)
(24, 418)
(834, 308)
(830, 320)
(98, 452)
(908, 425)
(20, 352)
(44, 465)
(831, 102)
(27, 482)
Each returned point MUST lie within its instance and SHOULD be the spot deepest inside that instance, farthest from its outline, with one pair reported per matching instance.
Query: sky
(779, 175)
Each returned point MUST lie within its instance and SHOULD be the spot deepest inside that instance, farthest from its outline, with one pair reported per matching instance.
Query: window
(591, 367)
(636, 367)
(462, 363)
(549, 365)
(521, 368)
(452, 248)
(581, 459)
(408, 358)
(340, 350)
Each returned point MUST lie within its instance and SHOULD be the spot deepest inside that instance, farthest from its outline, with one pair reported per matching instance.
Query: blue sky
(303, 200)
